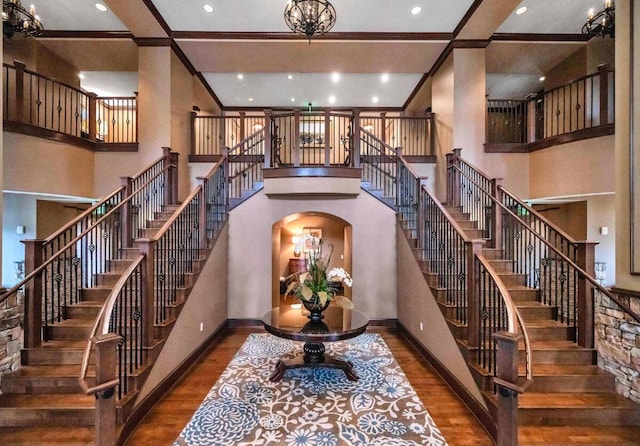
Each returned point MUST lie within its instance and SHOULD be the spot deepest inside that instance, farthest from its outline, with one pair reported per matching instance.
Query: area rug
(311, 407)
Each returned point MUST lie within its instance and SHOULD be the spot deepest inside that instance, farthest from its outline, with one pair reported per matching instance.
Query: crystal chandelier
(602, 23)
(16, 19)
(310, 17)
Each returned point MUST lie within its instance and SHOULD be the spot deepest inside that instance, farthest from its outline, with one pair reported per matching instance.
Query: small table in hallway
(291, 322)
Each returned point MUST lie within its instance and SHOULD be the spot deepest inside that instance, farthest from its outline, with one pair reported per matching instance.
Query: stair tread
(60, 344)
(543, 400)
(47, 400)
(556, 345)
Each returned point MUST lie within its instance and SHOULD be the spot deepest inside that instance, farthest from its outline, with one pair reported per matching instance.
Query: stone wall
(618, 342)
(11, 318)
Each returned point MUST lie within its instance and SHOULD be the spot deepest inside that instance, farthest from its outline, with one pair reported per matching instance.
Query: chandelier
(310, 17)
(16, 19)
(602, 23)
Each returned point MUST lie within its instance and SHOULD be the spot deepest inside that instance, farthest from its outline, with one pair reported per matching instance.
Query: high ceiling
(378, 48)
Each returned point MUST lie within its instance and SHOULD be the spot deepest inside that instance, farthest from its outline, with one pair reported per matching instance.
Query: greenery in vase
(317, 285)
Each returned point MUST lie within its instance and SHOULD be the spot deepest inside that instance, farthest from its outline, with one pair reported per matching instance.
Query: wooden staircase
(568, 388)
(44, 396)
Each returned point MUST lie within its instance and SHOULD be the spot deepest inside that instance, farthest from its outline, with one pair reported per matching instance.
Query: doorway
(336, 235)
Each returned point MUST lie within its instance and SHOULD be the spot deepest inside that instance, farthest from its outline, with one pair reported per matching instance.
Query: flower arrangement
(317, 285)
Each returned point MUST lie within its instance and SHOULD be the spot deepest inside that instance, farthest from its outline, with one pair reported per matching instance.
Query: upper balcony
(580, 109)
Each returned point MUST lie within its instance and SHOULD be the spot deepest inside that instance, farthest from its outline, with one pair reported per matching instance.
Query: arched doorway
(334, 231)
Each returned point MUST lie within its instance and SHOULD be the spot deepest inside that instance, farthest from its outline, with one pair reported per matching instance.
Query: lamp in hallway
(17, 19)
(602, 23)
(310, 17)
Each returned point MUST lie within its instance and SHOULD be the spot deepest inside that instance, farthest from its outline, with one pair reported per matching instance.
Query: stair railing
(562, 268)
(379, 163)
(132, 318)
(245, 161)
(479, 300)
(59, 267)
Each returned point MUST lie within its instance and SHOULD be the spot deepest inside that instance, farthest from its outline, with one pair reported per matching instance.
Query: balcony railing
(320, 138)
(579, 109)
(38, 105)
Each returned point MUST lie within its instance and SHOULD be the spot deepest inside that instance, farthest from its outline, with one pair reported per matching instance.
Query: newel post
(506, 382)
(496, 214)
(243, 130)
(93, 116)
(106, 370)
(269, 145)
(327, 137)
(33, 258)
(146, 247)
(20, 99)
(603, 72)
(453, 177)
(171, 163)
(202, 212)
(586, 261)
(127, 217)
(296, 137)
(432, 133)
(355, 146)
(473, 248)
(383, 129)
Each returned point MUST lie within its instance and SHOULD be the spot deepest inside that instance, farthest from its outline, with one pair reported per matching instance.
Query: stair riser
(80, 312)
(502, 266)
(537, 314)
(550, 333)
(34, 385)
(99, 295)
(599, 416)
(526, 295)
(52, 357)
(561, 357)
(572, 384)
(68, 333)
(513, 279)
(12, 417)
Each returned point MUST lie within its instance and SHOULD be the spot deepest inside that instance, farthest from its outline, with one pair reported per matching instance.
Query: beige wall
(416, 305)
(41, 60)
(572, 68)
(624, 279)
(601, 213)
(442, 98)
(51, 216)
(206, 305)
(590, 163)
(181, 106)
(570, 217)
(38, 165)
(251, 241)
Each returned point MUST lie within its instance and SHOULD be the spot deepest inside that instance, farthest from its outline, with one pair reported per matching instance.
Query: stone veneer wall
(11, 318)
(618, 342)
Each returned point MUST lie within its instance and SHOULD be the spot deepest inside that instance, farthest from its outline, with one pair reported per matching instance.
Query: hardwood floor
(165, 421)
(163, 424)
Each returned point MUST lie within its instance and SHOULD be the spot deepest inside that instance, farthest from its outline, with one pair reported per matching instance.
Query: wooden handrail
(582, 272)
(451, 221)
(50, 260)
(106, 308)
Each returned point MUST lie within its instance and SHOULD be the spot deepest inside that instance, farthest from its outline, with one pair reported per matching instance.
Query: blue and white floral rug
(312, 407)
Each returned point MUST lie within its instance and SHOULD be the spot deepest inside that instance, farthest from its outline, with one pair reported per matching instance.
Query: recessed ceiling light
(240, 76)
(101, 7)
(542, 78)
(290, 77)
(374, 99)
(332, 99)
(207, 8)
(293, 99)
(416, 10)
(385, 77)
(250, 99)
(335, 77)
(81, 75)
(521, 10)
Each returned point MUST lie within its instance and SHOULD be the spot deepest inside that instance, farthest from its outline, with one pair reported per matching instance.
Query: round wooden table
(292, 322)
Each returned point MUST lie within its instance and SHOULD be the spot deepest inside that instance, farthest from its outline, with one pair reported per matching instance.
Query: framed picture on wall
(313, 232)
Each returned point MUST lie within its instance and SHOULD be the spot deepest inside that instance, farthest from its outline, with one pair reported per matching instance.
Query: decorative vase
(315, 308)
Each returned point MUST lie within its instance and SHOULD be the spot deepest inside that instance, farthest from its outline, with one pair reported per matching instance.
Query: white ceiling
(370, 37)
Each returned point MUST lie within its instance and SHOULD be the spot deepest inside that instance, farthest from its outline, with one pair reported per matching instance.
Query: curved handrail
(106, 309)
(44, 265)
(451, 221)
(514, 319)
(564, 257)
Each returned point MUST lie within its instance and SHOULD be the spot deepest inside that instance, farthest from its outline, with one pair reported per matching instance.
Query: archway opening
(334, 232)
